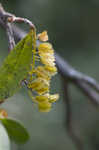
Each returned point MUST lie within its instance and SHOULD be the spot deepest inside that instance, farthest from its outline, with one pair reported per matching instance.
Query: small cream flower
(43, 36)
(44, 106)
(42, 98)
(45, 47)
(53, 98)
(40, 71)
(51, 69)
(39, 85)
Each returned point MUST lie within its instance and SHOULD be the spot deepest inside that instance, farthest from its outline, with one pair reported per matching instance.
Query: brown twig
(86, 84)
(76, 140)
(4, 19)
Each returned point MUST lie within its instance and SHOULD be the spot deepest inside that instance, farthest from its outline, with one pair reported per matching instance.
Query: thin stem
(13, 18)
(11, 42)
(34, 48)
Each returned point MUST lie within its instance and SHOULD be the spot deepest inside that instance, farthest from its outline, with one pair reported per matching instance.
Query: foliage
(15, 67)
(15, 130)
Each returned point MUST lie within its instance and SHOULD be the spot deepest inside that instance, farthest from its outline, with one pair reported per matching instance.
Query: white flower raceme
(40, 76)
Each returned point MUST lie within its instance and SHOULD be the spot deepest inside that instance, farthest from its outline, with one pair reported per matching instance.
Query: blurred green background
(73, 28)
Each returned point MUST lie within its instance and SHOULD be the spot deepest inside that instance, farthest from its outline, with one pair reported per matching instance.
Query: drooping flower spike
(41, 73)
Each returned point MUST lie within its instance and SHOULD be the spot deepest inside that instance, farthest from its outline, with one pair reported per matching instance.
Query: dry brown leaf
(3, 113)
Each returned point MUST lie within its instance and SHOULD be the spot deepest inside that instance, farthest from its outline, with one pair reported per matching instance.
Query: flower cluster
(40, 76)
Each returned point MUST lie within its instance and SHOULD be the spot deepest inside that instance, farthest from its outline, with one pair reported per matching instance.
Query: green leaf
(15, 67)
(16, 131)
